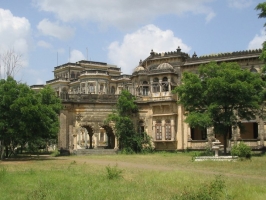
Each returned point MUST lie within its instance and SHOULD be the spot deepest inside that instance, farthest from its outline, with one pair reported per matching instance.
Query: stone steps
(96, 152)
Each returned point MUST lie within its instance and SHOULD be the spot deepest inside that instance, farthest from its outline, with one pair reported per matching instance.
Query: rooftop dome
(165, 66)
(139, 68)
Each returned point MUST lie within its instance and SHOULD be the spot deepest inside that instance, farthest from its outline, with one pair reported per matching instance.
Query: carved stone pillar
(154, 130)
(86, 87)
(96, 140)
(189, 133)
(163, 130)
(172, 130)
(261, 132)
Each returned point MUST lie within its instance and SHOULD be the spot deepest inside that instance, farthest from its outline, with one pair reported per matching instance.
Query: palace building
(89, 91)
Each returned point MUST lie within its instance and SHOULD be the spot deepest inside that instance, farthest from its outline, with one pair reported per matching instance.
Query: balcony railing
(151, 99)
(89, 98)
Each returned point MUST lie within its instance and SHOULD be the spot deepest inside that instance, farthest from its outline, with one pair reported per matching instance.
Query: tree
(124, 116)
(220, 96)
(262, 8)
(26, 116)
(10, 63)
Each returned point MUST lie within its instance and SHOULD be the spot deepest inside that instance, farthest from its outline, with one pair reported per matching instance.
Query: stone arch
(90, 133)
(110, 142)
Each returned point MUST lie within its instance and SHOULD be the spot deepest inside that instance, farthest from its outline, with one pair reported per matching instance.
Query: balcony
(89, 98)
(57, 80)
(140, 99)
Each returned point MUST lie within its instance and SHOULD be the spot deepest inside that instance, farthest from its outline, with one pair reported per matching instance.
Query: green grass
(151, 176)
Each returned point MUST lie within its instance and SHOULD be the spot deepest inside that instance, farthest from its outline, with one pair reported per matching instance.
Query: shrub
(241, 150)
(207, 191)
(55, 153)
(113, 172)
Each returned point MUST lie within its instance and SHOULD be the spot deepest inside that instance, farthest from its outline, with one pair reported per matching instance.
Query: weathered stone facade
(89, 91)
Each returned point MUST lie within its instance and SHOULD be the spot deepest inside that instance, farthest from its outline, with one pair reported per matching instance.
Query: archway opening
(110, 140)
(90, 133)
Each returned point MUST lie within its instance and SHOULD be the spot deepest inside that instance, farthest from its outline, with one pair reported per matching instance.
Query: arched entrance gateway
(93, 136)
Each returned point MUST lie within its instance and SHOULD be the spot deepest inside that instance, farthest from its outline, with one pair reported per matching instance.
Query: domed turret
(139, 68)
(165, 66)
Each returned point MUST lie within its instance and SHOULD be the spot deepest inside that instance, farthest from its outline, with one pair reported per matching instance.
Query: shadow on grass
(30, 157)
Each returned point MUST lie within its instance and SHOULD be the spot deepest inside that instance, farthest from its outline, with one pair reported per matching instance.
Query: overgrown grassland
(151, 176)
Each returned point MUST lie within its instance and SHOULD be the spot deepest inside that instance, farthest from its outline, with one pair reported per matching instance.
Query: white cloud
(256, 42)
(55, 30)
(15, 33)
(137, 45)
(122, 13)
(76, 55)
(239, 4)
(44, 44)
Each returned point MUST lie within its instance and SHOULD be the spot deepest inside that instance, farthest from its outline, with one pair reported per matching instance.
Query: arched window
(168, 131)
(165, 84)
(158, 130)
(101, 87)
(72, 74)
(112, 90)
(145, 88)
(91, 88)
(155, 85)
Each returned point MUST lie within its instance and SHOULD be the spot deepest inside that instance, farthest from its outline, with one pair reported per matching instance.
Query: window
(165, 84)
(168, 133)
(72, 75)
(91, 88)
(112, 90)
(198, 133)
(101, 88)
(145, 88)
(158, 130)
(155, 85)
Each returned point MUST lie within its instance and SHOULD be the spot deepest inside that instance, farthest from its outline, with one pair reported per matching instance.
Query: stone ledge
(218, 158)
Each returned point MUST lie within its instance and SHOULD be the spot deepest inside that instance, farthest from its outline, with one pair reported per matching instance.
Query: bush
(113, 172)
(207, 191)
(55, 153)
(241, 150)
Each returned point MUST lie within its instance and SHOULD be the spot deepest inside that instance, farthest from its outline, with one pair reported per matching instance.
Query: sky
(48, 33)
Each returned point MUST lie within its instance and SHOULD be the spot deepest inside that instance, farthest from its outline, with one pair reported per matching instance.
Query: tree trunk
(225, 142)
(6, 151)
(2, 148)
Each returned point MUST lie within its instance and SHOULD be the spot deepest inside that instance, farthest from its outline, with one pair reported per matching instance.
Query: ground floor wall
(82, 126)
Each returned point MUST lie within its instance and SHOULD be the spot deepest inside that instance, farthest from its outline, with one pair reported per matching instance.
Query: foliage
(126, 112)
(113, 172)
(26, 117)
(55, 153)
(219, 96)
(207, 191)
(241, 150)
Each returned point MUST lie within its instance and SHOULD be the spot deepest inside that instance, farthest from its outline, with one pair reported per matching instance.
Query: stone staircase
(96, 151)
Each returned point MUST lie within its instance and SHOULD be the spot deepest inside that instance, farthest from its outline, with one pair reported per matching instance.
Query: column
(163, 130)
(153, 129)
(86, 87)
(104, 88)
(96, 140)
(261, 131)
(160, 85)
(169, 85)
(96, 89)
(75, 142)
(79, 140)
(172, 130)
(86, 144)
(116, 143)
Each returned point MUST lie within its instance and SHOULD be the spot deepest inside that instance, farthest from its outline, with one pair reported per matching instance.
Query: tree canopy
(125, 116)
(25, 115)
(220, 96)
